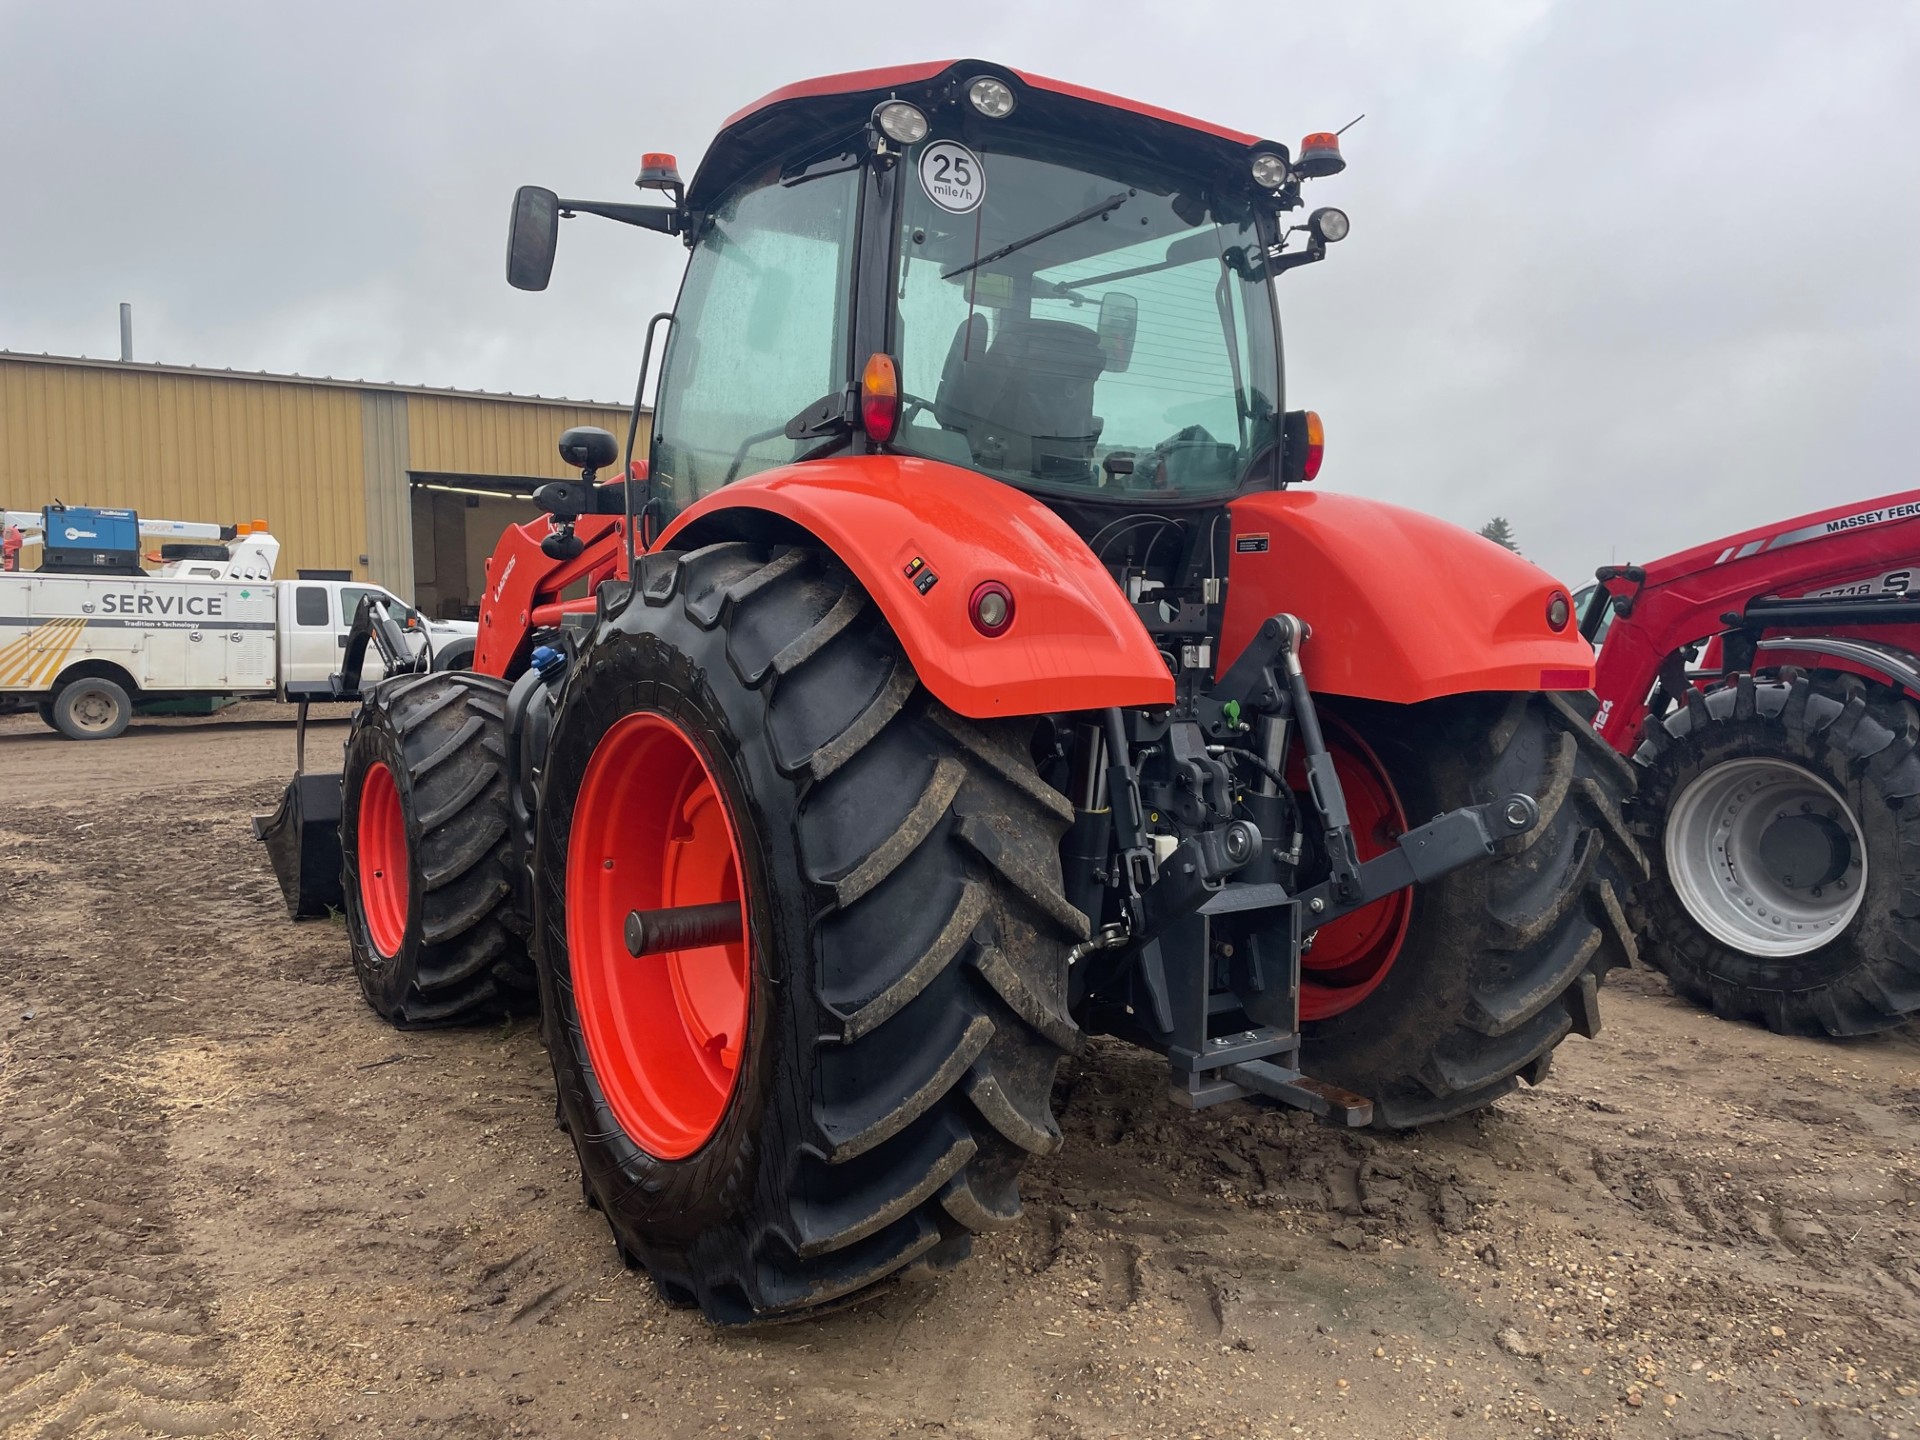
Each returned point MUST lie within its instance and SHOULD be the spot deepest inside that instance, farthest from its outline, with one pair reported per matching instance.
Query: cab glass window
(352, 595)
(310, 605)
(760, 333)
(1085, 328)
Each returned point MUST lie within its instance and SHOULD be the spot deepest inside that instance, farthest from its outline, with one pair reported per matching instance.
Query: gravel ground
(233, 1203)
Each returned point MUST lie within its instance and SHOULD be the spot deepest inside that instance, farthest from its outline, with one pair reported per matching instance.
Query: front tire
(423, 841)
(900, 983)
(91, 708)
(1500, 960)
(1781, 823)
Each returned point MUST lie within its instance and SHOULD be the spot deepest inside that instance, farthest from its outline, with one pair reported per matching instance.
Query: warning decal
(952, 176)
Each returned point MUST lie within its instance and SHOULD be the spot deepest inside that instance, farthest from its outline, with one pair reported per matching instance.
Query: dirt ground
(232, 1202)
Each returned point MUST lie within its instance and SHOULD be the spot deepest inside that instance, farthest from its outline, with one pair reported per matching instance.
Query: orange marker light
(1316, 445)
(1320, 156)
(880, 398)
(658, 171)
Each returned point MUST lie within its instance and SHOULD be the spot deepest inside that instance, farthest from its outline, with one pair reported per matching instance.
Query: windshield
(1062, 328)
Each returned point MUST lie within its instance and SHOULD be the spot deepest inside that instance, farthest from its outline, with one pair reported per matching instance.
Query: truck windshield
(1066, 329)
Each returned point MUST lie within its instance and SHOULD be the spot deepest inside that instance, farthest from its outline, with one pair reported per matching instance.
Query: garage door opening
(457, 520)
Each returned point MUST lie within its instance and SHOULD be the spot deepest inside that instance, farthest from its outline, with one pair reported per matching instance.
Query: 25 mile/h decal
(953, 177)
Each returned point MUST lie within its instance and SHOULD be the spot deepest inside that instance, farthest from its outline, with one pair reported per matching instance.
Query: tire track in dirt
(106, 1328)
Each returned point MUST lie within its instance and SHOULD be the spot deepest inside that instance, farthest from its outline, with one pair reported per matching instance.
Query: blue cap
(545, 658)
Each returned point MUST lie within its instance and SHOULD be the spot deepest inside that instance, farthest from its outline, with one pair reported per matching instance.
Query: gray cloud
(1633, 275)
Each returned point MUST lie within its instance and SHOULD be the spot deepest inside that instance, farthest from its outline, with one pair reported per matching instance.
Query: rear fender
(921, 536)
(1403, 607)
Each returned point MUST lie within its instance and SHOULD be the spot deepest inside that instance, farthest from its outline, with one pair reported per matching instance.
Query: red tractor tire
(1502, 960)
(424, 855)
(1836, 760)
(850, 1083)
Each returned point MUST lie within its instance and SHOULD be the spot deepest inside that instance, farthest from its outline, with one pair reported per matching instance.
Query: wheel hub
(666, 1029)
(383, 860)
(93, 711)
(1766, 856)
(1349, 957)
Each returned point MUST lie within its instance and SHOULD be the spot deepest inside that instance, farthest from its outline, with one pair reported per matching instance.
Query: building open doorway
(457, 520)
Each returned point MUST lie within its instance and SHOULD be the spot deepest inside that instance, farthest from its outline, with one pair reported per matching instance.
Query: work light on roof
(992, 98)
(1269, 170)
(900, 122)
(1329, 224)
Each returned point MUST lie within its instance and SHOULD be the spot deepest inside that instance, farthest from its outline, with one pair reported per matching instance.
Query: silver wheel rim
(1767, 857)
(93, 710)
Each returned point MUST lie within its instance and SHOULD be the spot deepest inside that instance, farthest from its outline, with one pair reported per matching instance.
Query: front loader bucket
(303, 844)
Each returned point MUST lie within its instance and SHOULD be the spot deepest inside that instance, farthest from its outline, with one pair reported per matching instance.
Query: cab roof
(760, 131)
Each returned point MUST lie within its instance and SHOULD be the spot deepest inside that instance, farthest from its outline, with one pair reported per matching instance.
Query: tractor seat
(1026, 403)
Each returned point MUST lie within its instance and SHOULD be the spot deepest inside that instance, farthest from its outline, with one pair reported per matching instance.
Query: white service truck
(86, 649)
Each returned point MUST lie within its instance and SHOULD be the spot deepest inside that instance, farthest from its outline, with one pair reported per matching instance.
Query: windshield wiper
(1092, 212)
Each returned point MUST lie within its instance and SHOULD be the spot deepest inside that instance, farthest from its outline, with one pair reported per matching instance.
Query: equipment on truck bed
(963, 670)
(87, 540)
(1767, 685)
(87, 647)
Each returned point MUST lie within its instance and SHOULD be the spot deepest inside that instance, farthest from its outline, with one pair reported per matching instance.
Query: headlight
(1329, 224)
(992, 98)
(901, 122)
(1269, 170)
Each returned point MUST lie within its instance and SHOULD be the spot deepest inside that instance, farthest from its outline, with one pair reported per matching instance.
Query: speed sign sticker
(953, 177)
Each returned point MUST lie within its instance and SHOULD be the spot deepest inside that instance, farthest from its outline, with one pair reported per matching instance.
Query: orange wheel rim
(384, 878)
(1352, 955)
(665, 1032)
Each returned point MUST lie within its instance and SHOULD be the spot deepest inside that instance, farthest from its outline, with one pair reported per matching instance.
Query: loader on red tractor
(1769, 686)
(965, 669)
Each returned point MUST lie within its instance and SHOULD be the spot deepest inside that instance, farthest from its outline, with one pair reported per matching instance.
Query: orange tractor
(963, 671)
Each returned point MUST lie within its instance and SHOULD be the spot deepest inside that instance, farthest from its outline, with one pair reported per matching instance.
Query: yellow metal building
(404, 485)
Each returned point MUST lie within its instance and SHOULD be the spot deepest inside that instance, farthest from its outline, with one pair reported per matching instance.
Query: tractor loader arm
(923, 538)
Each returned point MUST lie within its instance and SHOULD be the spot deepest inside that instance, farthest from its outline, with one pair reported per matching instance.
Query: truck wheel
(1785, 849)
(852, 1080)
(44, 709)
(424, 853)
(455, 655)
(1438, 1000)
(91, 708)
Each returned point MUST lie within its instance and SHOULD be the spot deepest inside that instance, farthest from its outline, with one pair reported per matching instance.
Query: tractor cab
(1061, 290)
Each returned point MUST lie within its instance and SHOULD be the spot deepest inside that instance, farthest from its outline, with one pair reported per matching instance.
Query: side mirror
(1119, 325)
(588, 447)
(532, 237)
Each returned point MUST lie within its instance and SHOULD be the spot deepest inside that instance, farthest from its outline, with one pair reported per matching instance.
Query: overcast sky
(1633, 275)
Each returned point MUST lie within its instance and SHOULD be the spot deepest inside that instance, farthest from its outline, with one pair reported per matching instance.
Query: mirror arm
(667, 219)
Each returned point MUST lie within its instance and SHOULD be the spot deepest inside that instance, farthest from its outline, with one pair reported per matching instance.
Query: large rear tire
(425, 860)
(1501, 960)
(901, 979)
(1781, 825)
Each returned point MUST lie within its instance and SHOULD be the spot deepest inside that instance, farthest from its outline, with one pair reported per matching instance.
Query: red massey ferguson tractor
(965, 671)
(1767, 684)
